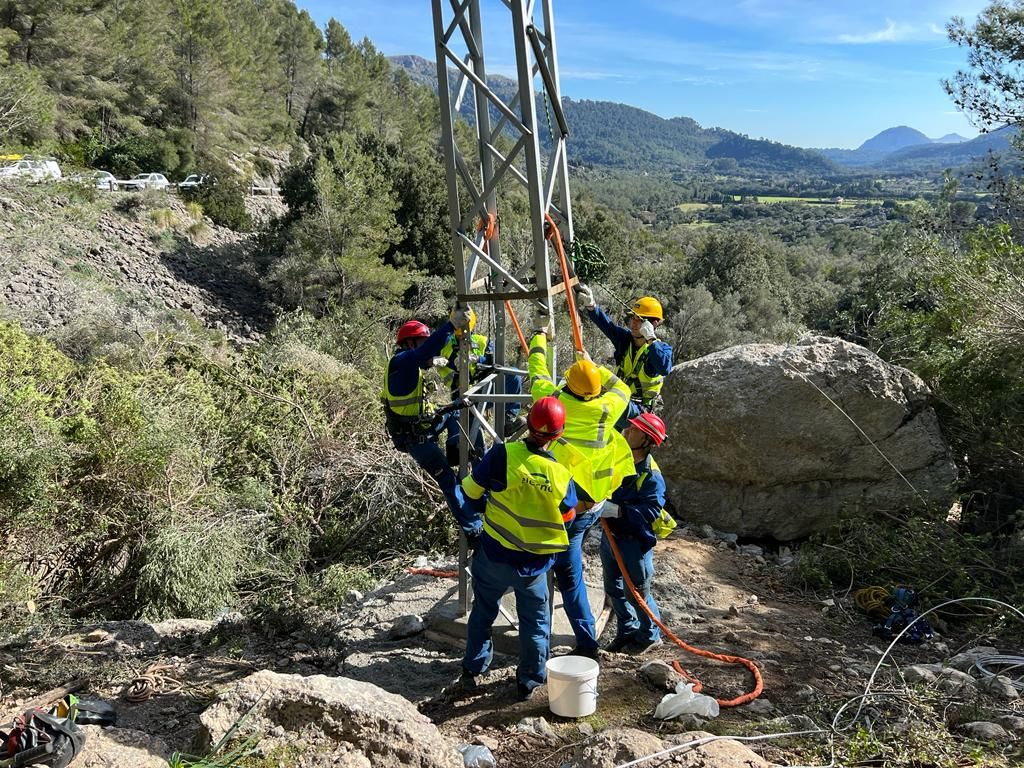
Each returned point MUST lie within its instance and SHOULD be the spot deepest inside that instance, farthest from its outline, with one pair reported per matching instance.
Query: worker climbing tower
(478, 172)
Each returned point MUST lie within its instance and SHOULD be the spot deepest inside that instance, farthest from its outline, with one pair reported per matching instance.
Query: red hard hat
(412, 329)
(652, 426)
(547, 418)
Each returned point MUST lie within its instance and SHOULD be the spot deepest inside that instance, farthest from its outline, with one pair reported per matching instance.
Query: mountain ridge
(617, 135)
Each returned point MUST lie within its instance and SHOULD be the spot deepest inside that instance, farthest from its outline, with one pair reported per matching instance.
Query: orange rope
(758, 680)
(556, 237)
(432, 572)
(519, 329)
(490, 229)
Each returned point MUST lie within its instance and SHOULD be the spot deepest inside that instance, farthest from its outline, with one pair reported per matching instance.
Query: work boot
(590, 653)
(523, 693)
(640, 647)
(618, 645)
(466, 684)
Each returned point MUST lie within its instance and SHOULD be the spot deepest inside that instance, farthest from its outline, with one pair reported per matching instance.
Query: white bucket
(572, 685)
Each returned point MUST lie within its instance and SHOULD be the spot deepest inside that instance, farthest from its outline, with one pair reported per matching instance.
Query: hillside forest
(132, 451)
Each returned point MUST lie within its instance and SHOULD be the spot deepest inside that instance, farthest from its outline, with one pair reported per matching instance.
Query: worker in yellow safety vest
(409, 419)
(528, 502)
(594, 399)
(642, 358)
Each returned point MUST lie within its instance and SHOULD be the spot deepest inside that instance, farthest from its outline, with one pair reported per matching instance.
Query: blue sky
(814, 73)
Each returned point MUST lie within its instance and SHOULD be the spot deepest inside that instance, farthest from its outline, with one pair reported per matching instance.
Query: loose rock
(984, 731)
(660, 675)
(405, 626)
(351, 722)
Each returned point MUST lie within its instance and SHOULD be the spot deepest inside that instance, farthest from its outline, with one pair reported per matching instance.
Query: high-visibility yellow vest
(642, 386)
(527, 515)
(589, 424)
(411, 404)
(478, 348)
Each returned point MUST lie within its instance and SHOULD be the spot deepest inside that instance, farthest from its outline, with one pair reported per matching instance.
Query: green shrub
(145, 153)
(222, 199)
(336, 581)
(190, 568)
(163, 218)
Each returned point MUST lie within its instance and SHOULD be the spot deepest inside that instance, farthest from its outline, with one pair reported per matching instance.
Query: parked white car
(147, 181)
(30, 169)
(193, 180)
(102, 180)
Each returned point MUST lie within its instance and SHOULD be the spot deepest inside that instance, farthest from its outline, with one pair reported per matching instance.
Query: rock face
(331, 721)
(755, 448)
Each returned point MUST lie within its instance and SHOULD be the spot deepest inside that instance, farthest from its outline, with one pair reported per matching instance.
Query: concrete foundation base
(444, 625)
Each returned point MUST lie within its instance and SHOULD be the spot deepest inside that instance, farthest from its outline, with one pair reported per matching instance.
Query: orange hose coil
(726, 658)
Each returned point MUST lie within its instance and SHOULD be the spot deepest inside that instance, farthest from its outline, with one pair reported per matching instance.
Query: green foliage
(924, 552)
(163, 217)
(171, 479)
(222, 199)
(333, 248)
(191, 569)
(152, 151)
(336, 581)
(991, 89)
(26, 106)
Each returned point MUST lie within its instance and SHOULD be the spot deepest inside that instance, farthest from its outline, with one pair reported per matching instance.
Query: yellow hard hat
(648, 306)
(584, 379)
(472, 324)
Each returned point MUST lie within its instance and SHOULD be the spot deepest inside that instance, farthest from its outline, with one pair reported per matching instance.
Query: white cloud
(890, 33)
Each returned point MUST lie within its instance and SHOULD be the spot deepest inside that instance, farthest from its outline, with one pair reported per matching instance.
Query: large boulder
(322, 720)
(763, 442)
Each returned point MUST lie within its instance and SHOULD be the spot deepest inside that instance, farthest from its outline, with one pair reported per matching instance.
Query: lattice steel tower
(482, 277)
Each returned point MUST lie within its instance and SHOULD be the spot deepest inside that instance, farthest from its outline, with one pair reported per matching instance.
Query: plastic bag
(684, 701)
(476, 756)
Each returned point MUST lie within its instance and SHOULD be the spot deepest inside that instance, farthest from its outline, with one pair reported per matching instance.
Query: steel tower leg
(480, 274)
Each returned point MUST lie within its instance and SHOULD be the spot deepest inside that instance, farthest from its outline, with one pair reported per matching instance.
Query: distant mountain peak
(892, 139)
(950, 138)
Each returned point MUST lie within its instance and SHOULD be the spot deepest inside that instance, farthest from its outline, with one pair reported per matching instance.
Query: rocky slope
(69, 264)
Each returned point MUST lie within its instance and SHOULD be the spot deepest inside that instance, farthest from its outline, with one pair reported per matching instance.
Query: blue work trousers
(490, 581)
(569, 577)
(431, 458)
(632, 621)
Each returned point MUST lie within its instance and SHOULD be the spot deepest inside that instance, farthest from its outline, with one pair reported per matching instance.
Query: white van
(31, 169)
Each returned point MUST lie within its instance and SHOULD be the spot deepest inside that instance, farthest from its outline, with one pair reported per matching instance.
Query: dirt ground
(813, 655)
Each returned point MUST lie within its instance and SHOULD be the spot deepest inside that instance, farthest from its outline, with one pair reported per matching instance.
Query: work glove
(647, 330)
(585, 296)
(439, 362)
(460, 317)
(542, 324)
(584, 355)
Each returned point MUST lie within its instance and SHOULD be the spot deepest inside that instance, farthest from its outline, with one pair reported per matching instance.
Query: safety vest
(590, 430)
(411, 404)
(450, 350)
(589, 425)
(631, 369)
(527, 515)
